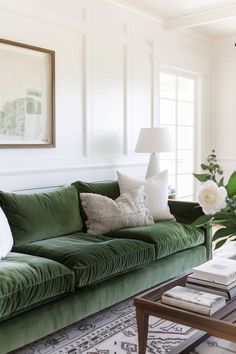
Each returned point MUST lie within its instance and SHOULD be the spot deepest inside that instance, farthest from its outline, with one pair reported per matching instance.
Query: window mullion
(180, 91)
(176, 134)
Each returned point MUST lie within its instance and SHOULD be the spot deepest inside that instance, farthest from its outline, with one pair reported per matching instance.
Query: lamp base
(153, 166)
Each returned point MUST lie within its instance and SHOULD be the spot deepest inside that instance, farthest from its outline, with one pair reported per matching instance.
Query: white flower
(212, 198)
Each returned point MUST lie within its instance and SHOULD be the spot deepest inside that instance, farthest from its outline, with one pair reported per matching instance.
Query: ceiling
(214, 18)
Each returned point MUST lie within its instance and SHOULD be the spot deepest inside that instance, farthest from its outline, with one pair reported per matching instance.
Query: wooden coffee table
(222, 324)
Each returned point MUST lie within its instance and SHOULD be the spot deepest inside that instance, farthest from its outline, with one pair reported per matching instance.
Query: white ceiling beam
(144, 12)
(201, 18)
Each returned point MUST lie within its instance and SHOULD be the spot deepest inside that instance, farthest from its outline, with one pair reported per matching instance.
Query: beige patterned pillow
(105, 214)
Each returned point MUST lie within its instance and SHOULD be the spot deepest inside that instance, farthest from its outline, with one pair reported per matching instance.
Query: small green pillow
(109, 189)
(34, 217)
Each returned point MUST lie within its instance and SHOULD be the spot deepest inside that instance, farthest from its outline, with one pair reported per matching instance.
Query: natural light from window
(177, 111)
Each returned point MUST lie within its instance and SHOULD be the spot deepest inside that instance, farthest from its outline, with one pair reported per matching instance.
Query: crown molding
(201, 18)
(63, 22)
(138, 11)
(194, 35)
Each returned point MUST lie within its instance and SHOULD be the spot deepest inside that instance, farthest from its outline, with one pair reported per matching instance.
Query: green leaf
(231, 186)
(224, 232)
(221, 182)
(225, 217)
(220, 243)
(228, 224)
(222, 222)
(202, 220)
(203, 166)
(203, 177)
(222, 215)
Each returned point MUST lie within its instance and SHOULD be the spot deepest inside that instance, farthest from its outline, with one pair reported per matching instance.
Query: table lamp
(154, 140)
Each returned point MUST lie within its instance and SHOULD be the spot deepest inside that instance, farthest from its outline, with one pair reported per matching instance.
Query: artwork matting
(27, 95)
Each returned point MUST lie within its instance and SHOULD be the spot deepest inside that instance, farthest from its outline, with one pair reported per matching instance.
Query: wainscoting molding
(108, 60)
(41, 178)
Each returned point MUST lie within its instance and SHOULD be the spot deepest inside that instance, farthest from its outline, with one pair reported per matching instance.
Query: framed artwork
(27, 96)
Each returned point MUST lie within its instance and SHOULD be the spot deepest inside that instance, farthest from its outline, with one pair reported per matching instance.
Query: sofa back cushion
(34, 217)
(108, 189)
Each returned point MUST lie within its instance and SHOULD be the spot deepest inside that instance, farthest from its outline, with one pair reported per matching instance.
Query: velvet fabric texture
(28, 281)
(46, 319)
(109, 189)
(93, 258)
(34, 217)
(167, 236)
(112, 268)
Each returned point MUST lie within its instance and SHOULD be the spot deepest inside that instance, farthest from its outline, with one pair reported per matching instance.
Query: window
(177, 111)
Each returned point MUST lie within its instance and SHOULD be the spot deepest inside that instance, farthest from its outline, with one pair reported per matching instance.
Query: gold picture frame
(27, 96)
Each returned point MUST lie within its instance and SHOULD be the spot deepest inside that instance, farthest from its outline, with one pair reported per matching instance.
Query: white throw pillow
(105, 214)
(156, 189)
(6, 239)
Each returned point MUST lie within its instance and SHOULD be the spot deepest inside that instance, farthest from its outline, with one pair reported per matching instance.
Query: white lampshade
(154, 140)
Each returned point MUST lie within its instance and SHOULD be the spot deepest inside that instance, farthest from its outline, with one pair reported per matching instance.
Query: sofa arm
(187, 213)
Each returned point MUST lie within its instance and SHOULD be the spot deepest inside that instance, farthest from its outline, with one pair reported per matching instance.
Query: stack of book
(193, 300)
(217, 276)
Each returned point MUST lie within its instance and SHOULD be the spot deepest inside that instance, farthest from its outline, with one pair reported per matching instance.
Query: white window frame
(197, 118)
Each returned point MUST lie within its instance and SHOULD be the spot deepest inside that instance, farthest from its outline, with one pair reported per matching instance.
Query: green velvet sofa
(58, 274)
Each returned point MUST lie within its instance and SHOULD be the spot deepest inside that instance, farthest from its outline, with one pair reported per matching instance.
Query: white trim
(84, 79)
(28, 171)
(201, 18)
(188, 32)
(180, 39)
(197, 153)
(137, 11)
(128, 107)
(176, 132)
(155, 86)
(50, 20)
(125, 94)
(38, 188)
(179, 72)
(195, 77)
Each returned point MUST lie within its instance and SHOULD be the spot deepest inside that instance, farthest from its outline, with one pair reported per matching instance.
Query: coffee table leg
(142, 323)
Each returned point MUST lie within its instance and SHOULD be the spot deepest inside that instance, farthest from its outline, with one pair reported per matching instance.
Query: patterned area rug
(114, 331)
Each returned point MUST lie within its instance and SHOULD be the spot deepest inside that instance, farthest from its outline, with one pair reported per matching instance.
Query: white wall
(223, 112)
(107, 65)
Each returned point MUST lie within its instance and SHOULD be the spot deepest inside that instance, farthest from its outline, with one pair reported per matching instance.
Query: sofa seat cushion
(93, 258)
(168, 237)
(27, 281)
